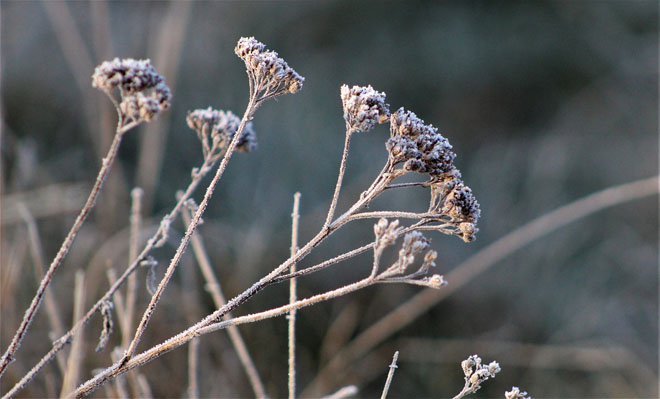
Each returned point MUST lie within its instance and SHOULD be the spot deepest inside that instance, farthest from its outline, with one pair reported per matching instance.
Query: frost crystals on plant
(143, 91)
(364, 107)
(215, 130)
(269, 75)
(476, 373)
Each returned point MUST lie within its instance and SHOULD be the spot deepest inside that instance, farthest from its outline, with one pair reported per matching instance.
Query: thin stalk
(151, 243)
(340, 178)
(392, 214)
(295, 217)
(182, 338)
(390, 375)
(193, 366)
(135, 220)
(131, 286)
(324, 264)
(191, 228)
(37, 253)
(106, 165)
(213, 286)
(423, 184)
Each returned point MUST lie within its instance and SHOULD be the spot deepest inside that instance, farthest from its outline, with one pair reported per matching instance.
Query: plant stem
(340, 178)
(390, 375)
(106, 165)
(193, 375)
(213, 286)
(191, 228)
(151, 243)
(295, 216)
(198, 330)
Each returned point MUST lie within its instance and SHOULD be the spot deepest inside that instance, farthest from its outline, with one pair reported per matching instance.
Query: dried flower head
(461, 205)
(516, 393)
(269, 74)
(386, 233)
(364, 107)
(414, 242)
(419, 146)
(216, 128)
(476, 373)
(143, 91)
(436, 281)
(454, 201)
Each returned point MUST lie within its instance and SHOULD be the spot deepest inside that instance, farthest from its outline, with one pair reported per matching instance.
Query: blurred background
(544, 103)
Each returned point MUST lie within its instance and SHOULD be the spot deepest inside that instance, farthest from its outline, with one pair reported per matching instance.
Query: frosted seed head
(461, 205)
(143, 91)
(419, 146)
(364, 107)
(516, 393)
(270, 75)
(221, 127)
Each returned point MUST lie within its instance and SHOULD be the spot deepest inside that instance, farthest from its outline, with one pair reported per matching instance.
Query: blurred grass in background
(544, 103)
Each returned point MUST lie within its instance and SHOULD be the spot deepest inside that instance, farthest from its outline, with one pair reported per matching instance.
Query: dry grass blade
(36, 251)
(74, 363)
(193, 369)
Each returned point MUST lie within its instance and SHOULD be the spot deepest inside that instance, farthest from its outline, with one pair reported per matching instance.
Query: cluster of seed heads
(143, 91)
(414, 242)
(216, 128)
(419, 148)
(476, 372)
(269, 74)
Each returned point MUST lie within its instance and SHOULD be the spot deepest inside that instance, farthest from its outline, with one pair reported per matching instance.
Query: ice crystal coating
(143, 91)
(364, 107)
(516, 393)
(269, 74)
(476, 373)
(460, 204)
(386, 233)
(219, 127)
(436, 281)
(419, 146)
(413, 243)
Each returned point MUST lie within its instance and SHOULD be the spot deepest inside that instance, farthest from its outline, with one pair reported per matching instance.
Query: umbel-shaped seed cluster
(476, 372)
(414, 243)
(364, 107)
(269, 75)
(419, 148)
(216, 128)
(143, 91)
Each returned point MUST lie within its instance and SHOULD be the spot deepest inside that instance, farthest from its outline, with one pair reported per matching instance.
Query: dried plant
(139, 94)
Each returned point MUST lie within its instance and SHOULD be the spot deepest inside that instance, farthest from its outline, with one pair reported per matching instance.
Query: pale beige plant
(413, 147)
